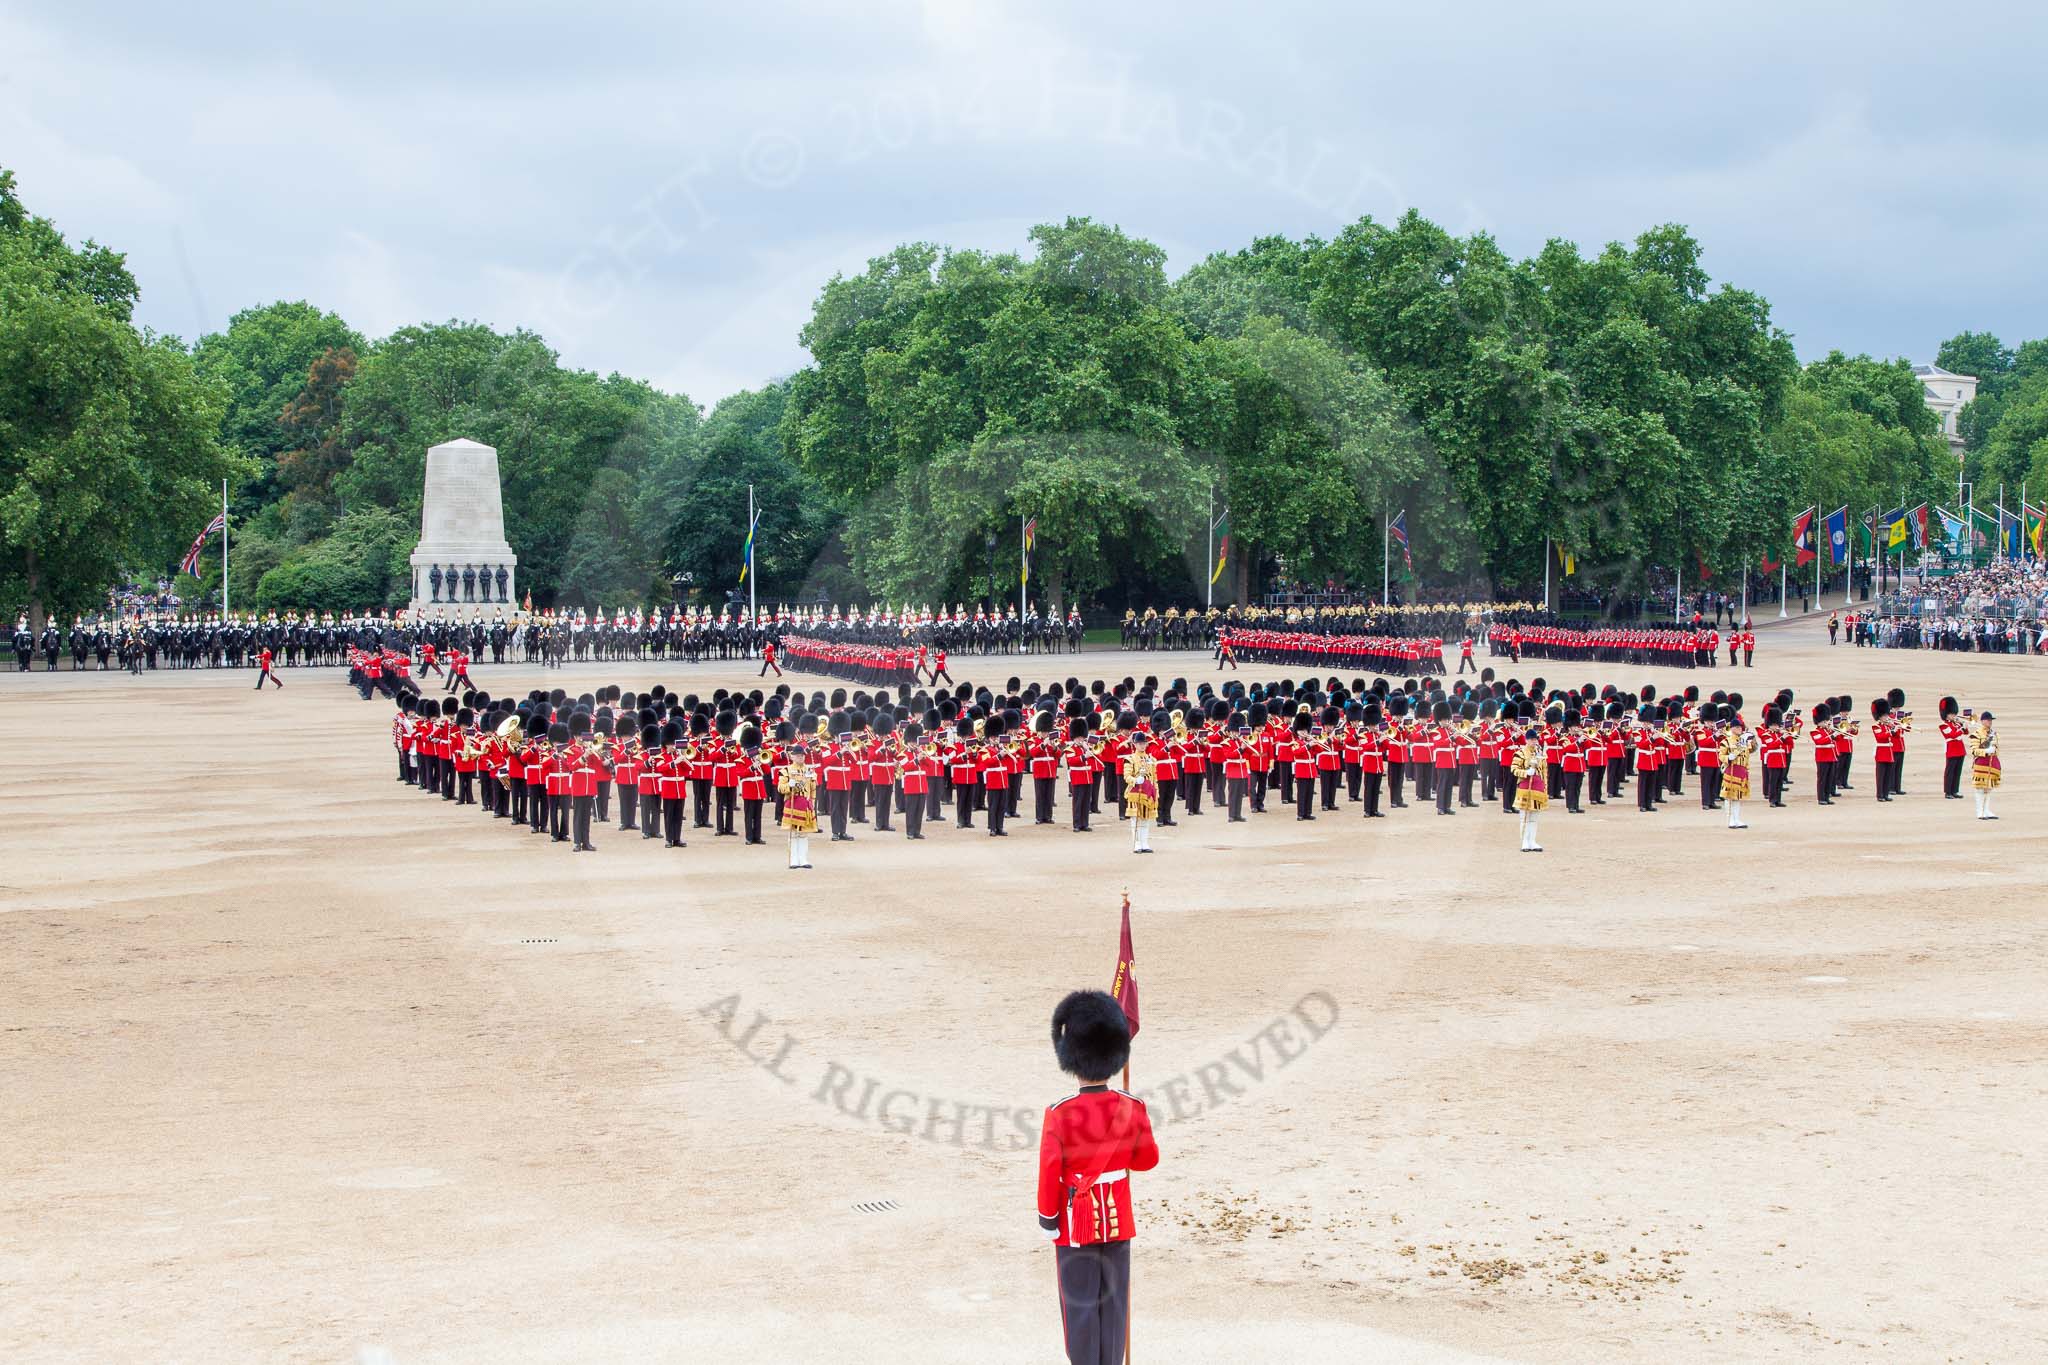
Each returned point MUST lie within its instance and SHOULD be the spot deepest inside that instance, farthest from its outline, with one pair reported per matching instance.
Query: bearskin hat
(1897, 697)
(579, 724)
(650, 736)
(1090, 1036)
(1946, 707)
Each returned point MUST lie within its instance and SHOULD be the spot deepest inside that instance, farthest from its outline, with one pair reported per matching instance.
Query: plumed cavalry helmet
(1090, 1036)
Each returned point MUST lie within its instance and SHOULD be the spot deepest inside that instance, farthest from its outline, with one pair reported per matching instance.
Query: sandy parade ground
(302, 1065)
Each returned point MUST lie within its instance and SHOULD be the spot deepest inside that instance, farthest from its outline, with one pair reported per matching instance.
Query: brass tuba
(508, 730)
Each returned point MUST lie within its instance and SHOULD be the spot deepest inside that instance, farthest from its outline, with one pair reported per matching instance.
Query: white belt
(1110, 1177)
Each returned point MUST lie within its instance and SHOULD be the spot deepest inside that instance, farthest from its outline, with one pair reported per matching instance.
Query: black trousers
(913, 815)
(700, 802)
(629, 805)
(1617, 774)
(1596, 787)
(1644, 781)
(558, 818)
(728, 809)
(1304, 799)
(537, 807)
(518, 807)
(1041, 800)
(858, 799)
(1191, 792)
(1952, 776)
(1233, 795)
(751, 814)
(1369, 789)
(1395, 769)
(1166, 791)
(837, 804)
(1842, 770)
(963, 803)
(1824, 781)
(1572, 783)
(885, 797)
(465, 789)
(1095, 1301)
(1352, 776)
(672, 820)
(1077, 797)
(1257, 786)
(1328, 781)
(604, 802)
(650, 816)
(998, 810)
(1466, 773)
(1674, 777)
(583, 807)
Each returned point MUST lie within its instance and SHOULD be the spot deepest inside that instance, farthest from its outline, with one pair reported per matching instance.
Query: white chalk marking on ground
(393, 1178)
(1990, 1014)
(1685, 947)
(1824, 980)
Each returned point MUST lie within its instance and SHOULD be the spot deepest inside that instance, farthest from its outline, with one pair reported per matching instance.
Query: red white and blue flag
(190, 564)
(1397, 529)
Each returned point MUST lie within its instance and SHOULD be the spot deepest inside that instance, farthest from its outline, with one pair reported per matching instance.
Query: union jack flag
(190, 564)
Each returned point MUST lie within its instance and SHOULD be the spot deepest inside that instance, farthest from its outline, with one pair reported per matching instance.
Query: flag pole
(1386, 554)
(1546, 573)
(223, 551)
(1209, 563)
(1782, 613)
(753, 579)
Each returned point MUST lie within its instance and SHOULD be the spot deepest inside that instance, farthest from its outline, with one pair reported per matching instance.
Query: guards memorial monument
(463, 562)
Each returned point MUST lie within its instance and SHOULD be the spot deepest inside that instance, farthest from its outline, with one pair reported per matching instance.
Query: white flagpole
(1814, 529)
(1782, 613)
(753, 579)
(1386, 559)
(1546, 573)
(1678, 589)
(223, 550)
(1209, 564)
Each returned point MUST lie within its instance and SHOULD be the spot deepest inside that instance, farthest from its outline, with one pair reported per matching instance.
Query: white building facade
(1947, 394)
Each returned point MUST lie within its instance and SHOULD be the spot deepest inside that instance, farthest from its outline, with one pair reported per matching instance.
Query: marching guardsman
(1141, 789)
(1235, 763)
(1986, 770)
(725, 774)
(835, 763)
(555, 772)
(626, 772)
(882, 762)
(1824, 753)
(1532, 791)
(915, 779)
(401, 737)
(1372, 759)
(649, 781)
(1955, 739)
(671, 776)
(994, 775)
(798, 783)
(580, 764)
(1902, 725)
(1304, 760)
(753, 783)
(465, 749)
(1044, 764)
(1881, 746)
(1088, 1146)
(1080, 771)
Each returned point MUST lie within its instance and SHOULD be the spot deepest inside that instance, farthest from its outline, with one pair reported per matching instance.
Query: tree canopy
(110, 446)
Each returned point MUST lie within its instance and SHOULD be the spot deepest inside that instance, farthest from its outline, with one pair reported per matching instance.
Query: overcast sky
(661, 192)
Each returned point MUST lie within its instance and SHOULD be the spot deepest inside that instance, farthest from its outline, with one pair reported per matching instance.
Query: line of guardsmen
(553, 764)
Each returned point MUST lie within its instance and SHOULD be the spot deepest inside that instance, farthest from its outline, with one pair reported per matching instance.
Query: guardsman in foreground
(1088, 1146)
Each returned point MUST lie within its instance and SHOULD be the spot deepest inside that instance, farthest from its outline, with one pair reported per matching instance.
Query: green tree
(110, 452)
(263, 360)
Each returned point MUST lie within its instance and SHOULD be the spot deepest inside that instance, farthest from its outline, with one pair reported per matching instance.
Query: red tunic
(1087, 1148)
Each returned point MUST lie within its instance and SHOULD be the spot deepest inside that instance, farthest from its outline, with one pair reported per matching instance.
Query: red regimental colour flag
(1124, 986)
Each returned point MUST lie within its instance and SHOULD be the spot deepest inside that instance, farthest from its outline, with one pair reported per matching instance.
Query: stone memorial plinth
(463, 566)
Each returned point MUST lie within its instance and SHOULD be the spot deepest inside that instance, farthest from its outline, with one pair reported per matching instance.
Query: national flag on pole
(1838, 535)
(2035, 517)
(1917, 522)
(1569, 560)
(1802, 537)
(1030, 543)
(1123, 985)
(1222, 532)
(2009, 533)
(747, 550)
(190, 564)
(1893, 524)
(1952, 529)
(1770, 565)
(1397, 529)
